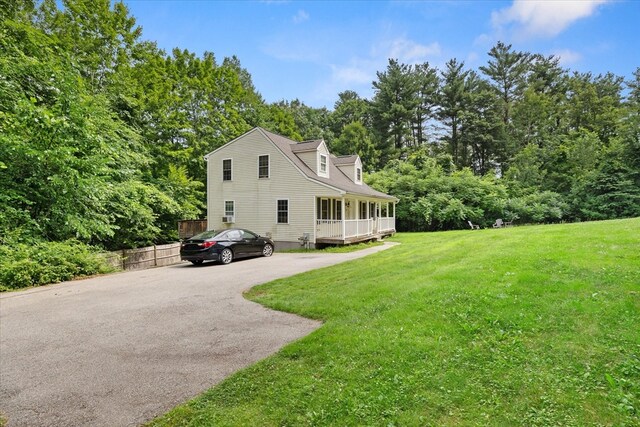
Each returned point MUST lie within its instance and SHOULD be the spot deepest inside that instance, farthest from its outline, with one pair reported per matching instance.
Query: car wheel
(267, 250)
(226, 256)
(197, 262)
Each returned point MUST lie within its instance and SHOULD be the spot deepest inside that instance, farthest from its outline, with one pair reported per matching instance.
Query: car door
(238, 245)
(252, 241)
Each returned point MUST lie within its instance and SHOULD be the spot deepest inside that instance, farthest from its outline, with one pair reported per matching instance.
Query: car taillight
(208, 244)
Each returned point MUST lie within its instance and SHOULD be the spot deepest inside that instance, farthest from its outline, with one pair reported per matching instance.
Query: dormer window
(323, 163)
(358, 175)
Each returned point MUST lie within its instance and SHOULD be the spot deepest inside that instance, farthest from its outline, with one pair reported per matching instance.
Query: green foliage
(349, 108)
(71, 166)
(102, 134)
(40, 263)
(430, 199)
(538, 207)
(609, 191)
(355, 139)
(312, 123)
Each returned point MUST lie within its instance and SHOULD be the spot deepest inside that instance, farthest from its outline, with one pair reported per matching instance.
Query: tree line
(102, 134)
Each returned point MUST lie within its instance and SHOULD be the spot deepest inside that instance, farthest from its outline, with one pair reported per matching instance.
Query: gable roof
(300, 147)
(345, 160)
(337, 178)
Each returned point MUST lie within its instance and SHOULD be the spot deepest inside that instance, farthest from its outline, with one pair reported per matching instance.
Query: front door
(373, 213)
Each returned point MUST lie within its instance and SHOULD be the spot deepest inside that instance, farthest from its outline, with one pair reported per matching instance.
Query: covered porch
(352, 219)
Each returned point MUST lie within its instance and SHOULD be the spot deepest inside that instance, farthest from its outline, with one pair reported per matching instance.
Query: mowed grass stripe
(521, 326)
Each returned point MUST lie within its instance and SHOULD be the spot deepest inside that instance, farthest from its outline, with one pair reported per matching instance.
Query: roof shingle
(337, 178)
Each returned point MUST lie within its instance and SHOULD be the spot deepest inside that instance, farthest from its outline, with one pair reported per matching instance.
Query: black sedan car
(224, 246)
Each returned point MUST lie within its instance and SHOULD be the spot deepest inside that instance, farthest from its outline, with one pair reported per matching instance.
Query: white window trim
(227, 180)
(326, 164)
(288, 212)
(268, 166)
(224, 208)
(358, 181)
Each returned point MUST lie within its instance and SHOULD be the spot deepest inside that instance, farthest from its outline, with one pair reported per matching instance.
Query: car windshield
(205, 235)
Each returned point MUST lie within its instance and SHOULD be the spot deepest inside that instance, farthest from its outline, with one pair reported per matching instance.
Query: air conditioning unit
(228, 219)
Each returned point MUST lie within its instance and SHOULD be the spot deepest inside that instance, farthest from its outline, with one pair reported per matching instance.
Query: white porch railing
(332, 229)
(386, 224)
(329, 228)
(358, 227)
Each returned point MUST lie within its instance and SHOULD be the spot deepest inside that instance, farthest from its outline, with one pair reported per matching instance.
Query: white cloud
(354, 73)
(359, 72)
(411, 52)
(472, 58)
(567, 57)
(484, 40)
(405, 50)
(362, 70)
(540, 18)
(300, 17)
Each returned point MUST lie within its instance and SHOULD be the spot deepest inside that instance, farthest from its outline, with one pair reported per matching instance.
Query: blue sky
(312, 50)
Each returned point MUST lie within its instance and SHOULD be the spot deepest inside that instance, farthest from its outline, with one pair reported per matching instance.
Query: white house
(292, 191)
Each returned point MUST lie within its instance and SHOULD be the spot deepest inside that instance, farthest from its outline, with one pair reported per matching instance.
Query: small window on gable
(323, 163)
(226, 170)
(358, 175)
(263, 166)
(283, 211)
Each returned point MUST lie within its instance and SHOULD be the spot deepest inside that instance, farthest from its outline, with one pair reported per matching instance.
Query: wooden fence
(141, 258)
(191, 227)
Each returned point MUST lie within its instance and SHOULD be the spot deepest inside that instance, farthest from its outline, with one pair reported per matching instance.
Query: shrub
(23, 265)
(542, 207)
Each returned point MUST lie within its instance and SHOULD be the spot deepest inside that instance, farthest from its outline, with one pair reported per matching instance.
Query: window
(226, 170)
(358, 174)
(229, 208)
(363, 210)
(324, 211)
(263, 166)
(248, 235)
(234, 235)
(337, 209)
(283, 211)
(323, 163)
(328, 209)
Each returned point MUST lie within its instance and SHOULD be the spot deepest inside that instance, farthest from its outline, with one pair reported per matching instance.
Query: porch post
(344, 215)
(357, 217)
(315, 219)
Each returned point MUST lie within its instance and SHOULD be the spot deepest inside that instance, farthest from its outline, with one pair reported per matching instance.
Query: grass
(527, 326)
(343, 249)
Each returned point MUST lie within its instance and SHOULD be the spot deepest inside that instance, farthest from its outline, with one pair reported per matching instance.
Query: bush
(542, 207)
(23, 265)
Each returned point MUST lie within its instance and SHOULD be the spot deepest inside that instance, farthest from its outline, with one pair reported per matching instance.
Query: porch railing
(329, 228)
(358, 227)
(332, 229)
(386, 224)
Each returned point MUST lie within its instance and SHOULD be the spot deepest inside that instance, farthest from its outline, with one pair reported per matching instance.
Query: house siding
(256, 199)
(310, 158)
(348, 170)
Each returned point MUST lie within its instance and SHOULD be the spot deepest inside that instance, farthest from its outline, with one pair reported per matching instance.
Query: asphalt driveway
(121, 349)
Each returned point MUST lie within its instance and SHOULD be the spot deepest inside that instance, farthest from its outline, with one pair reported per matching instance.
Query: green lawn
(534, 325)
